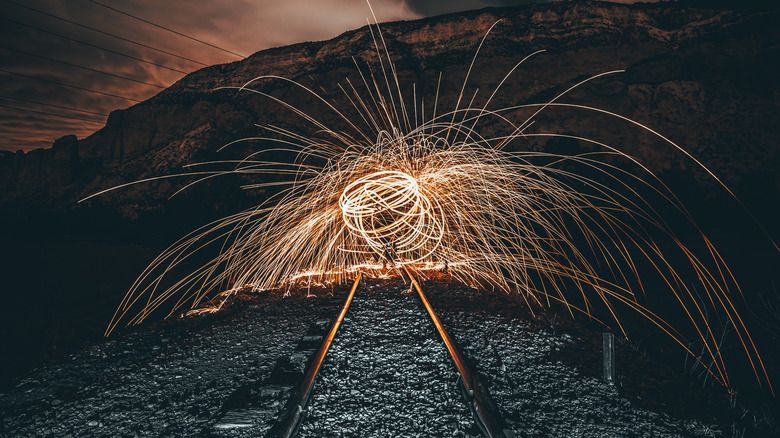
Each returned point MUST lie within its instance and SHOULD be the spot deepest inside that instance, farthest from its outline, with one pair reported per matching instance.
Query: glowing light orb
(389, 208)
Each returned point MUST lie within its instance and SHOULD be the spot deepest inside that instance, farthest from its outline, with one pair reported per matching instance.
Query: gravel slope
(543, 398)
(387, 374)
(164, 381)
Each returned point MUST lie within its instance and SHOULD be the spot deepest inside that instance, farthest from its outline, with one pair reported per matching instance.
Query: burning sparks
(572, 229)
(388, 209)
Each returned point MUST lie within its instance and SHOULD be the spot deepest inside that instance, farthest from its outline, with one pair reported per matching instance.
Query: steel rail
(290, 426)
(488, 420)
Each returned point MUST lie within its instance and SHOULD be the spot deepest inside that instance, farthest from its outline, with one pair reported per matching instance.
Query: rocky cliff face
(703, 78)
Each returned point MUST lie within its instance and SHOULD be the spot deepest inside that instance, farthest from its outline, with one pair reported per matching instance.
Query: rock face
(42, 167)
(703, 78)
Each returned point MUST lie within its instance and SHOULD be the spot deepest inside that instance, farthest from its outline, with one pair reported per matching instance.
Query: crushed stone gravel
(387, 374)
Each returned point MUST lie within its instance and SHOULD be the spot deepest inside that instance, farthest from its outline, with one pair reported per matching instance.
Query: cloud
(33, 43)
(434, 7)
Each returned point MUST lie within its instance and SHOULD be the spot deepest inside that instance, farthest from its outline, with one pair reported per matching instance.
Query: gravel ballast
(387, 373)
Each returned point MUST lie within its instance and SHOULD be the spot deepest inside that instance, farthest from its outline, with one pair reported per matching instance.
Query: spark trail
(571, 229)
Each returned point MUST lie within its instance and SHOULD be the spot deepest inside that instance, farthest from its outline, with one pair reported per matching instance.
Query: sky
(65, 64)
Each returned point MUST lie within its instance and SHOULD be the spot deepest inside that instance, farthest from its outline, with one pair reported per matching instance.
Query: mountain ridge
(700, 77)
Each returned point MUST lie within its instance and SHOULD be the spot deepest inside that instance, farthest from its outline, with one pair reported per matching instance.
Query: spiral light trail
(581, 230)
(388, 208)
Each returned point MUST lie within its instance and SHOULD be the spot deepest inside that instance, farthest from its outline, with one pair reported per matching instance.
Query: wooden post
(608, 340)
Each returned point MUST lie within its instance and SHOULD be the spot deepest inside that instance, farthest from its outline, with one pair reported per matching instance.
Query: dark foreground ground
(174, 378)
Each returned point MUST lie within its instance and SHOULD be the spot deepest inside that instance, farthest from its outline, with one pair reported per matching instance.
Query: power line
(83, 67)
(166, 28)
(49, 114)
(104, 33)
(68, 85)
(77, 118)
(92, 45)
(53, 105)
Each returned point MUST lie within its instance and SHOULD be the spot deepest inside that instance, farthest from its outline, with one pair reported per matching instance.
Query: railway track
(375, 329)
(216, 376)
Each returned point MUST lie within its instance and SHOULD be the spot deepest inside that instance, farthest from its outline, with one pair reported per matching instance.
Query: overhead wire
(83, 67)
(105, 49)
(105, 33)
(166, 28)
(76, 118)
(16, 108)
(54, 105)
(65, 37)
(69, 85)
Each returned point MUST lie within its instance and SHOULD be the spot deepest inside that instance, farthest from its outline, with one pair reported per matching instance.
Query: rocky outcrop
(701, 77)
(41, 170)
(59, 165)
